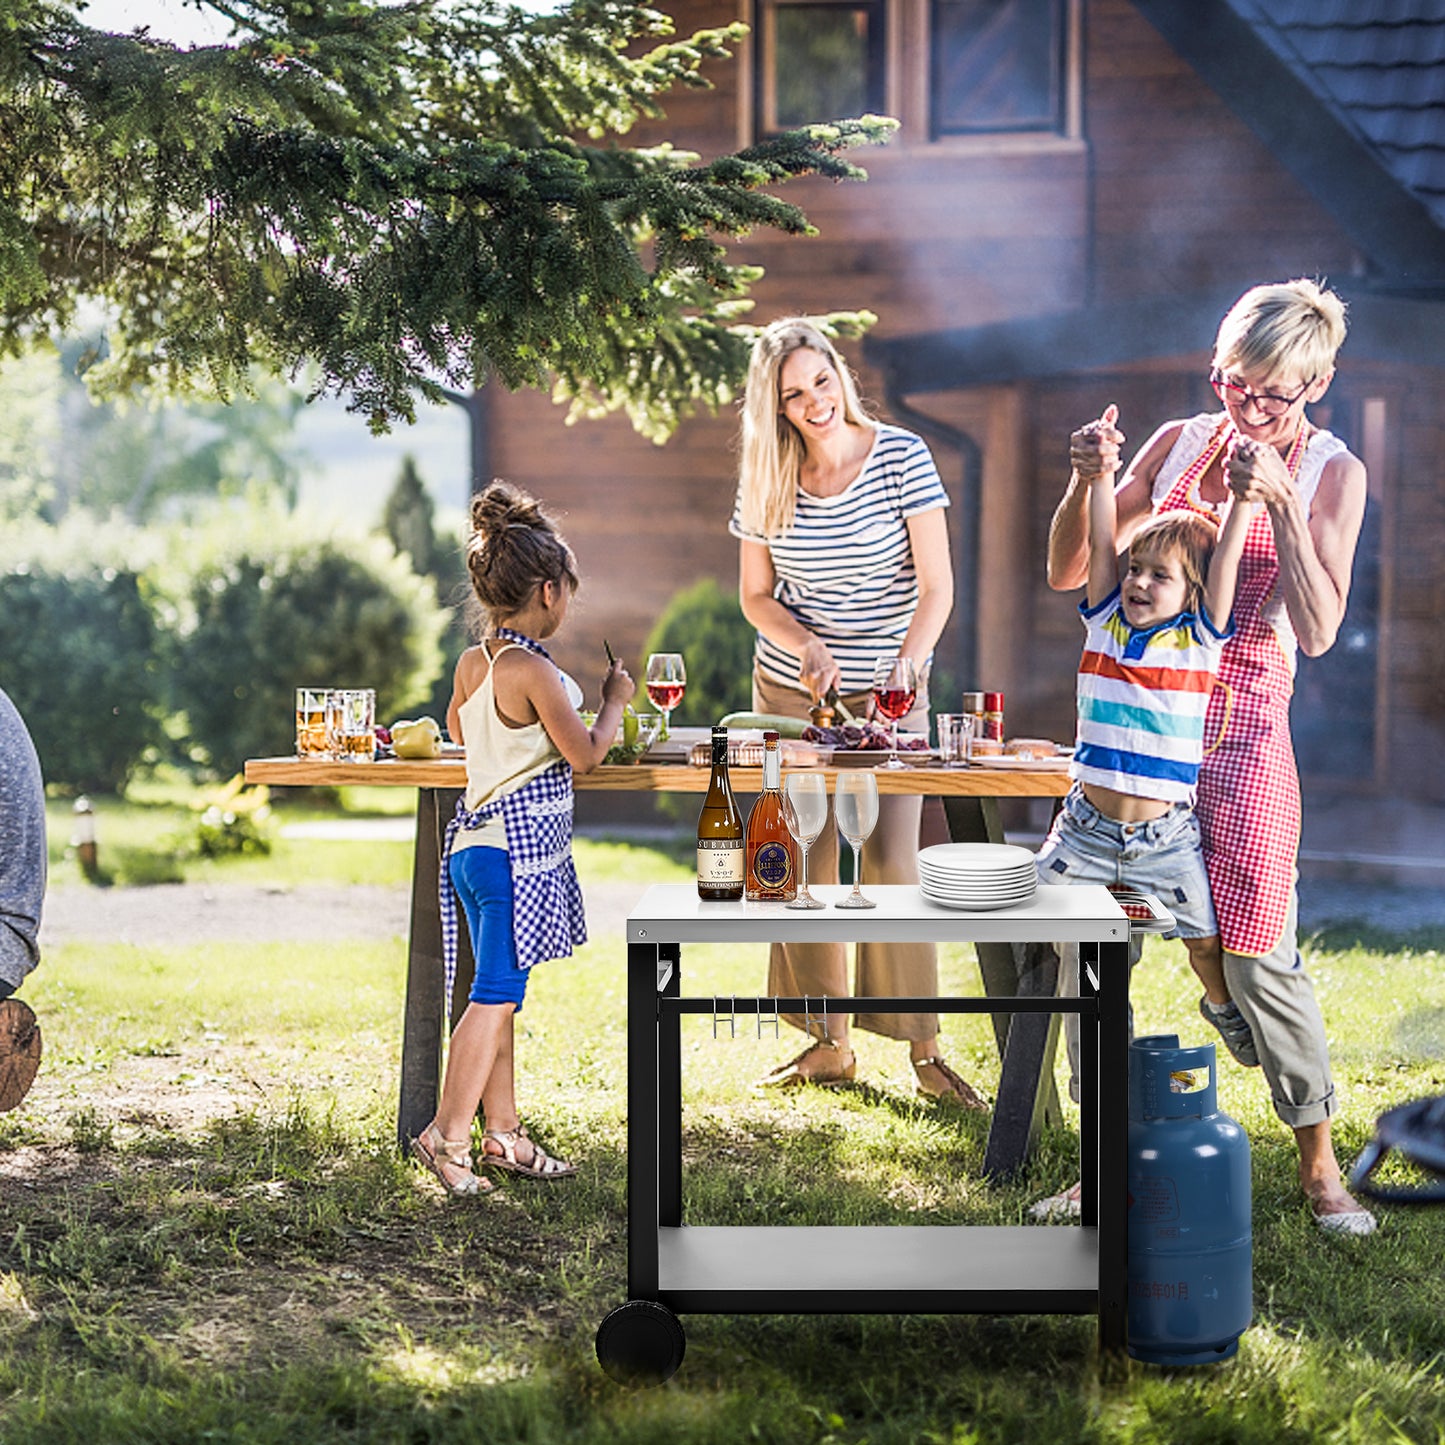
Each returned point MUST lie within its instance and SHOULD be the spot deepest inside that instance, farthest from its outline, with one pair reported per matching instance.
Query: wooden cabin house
(1078, 191)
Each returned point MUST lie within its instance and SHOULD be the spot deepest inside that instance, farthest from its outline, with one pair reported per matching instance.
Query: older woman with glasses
(1274, 355)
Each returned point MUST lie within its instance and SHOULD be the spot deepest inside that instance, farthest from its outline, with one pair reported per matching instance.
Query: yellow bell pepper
(416, 738)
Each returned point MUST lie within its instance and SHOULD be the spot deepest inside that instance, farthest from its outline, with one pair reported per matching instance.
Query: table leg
(1027, 1098)
(643, 1023)
(421, 1036)
(1090, 1094)
(669, 1097)
(1113, 1111)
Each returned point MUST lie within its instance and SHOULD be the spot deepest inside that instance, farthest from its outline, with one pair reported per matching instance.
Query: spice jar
(973, 706)
(993, 715)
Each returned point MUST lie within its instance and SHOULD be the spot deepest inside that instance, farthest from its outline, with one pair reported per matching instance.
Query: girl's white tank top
(500, 758)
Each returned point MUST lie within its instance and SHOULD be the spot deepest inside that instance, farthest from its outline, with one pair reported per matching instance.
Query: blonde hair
(512, 549)
(1186, 535)
(1295, 326)
(772, 449)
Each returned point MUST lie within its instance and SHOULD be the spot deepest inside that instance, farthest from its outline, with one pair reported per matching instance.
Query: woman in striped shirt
(844, 559)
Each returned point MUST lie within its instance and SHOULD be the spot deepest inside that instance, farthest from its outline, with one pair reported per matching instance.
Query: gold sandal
(791, 1075)
(540, 1166)
(433, 1152)
(959, 1091)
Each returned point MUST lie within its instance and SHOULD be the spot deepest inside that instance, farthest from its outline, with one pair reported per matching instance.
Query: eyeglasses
(1270, 403)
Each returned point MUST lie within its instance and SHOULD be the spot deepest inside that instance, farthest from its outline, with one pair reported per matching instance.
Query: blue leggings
(483, 880)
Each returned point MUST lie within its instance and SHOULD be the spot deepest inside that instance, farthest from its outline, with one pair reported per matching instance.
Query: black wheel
(640, 1343)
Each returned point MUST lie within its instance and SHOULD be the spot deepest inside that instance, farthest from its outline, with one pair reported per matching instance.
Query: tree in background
(408, 520)
(393, 194)
(707, 626)
(61, 450)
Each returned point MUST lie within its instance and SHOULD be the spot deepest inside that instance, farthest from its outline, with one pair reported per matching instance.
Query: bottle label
(773, 865)
(720, 862)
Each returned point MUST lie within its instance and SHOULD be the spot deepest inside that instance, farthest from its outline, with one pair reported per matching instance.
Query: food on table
(1031, 748)
(985, 748)
(861, 737)
(416, 738)
(747, 752)
(785, 727)
(635, 734)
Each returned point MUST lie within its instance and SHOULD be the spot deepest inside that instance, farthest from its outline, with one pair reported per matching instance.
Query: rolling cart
(674, 1268)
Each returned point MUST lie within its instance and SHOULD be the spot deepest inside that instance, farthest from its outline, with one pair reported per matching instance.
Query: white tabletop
(1080, 913)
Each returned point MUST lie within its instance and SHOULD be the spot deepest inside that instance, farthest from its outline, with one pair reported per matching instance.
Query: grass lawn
(206, 1232)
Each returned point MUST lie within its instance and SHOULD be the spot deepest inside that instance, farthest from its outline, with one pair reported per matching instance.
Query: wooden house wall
(1170, 192)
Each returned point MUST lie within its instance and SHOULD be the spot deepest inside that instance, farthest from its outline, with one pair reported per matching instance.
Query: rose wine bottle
(720, 832)
(772, 868)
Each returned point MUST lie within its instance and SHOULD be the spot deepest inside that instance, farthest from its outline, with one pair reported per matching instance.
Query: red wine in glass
(895, 702)
(666, 682)
(895, 685)
(665, 696)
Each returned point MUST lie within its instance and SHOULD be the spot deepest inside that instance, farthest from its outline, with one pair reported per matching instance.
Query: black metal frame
(654, 1147)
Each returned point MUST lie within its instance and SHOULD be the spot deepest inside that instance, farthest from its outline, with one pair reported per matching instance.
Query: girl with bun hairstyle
(508, 852)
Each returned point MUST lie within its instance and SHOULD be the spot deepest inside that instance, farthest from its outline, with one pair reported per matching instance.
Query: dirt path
(175, 914)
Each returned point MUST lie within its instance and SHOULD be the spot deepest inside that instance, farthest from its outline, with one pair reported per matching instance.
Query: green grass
(149, 839)
(206, 1232)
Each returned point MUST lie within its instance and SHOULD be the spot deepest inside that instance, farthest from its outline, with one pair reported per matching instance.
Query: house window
(820, 60)
(998, 65)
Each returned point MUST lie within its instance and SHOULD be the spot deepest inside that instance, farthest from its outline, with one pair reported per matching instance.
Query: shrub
(707, 626)
(266, 614)
(78, 656)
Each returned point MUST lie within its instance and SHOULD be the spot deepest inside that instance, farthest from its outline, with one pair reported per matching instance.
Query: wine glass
(666, 683)
(856, 809)
(894, 688)
(805, 810)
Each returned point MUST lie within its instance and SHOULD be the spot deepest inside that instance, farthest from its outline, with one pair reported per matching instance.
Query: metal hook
(718, 1017)
(822, 1018)
(768, 1018)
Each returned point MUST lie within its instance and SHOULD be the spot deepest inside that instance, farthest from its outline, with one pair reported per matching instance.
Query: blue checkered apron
(547, 913)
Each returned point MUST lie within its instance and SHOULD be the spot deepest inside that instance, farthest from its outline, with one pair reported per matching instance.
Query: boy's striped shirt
(1143, 696)
(845, 567)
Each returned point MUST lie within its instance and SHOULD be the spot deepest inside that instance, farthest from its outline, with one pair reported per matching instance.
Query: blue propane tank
(1190, 1264)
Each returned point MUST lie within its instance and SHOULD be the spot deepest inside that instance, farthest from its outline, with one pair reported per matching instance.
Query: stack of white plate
(977, 875)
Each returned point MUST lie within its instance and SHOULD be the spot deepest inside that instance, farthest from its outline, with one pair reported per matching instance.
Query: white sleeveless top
(1195, 435)
(500, 758)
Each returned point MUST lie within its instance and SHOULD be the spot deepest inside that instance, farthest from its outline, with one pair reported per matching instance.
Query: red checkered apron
(1249, 799)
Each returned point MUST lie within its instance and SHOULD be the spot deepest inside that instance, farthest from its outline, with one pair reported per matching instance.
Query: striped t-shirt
(1143, 694)
(845, 567)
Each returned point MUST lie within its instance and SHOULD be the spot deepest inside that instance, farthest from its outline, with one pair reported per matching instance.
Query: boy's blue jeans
(1161, 857)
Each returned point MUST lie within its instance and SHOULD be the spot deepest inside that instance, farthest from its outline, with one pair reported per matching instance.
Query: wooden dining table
(1026, 1096)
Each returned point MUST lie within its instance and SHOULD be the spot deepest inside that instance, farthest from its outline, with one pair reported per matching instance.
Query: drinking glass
(856, 809)
(894, 689)
(955, 735)
(666, 683)
(805, 810)
(311, 722)
(351, 724)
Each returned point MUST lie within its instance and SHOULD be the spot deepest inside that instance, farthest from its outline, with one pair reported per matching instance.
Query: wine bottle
(720, 832)
(772, 867)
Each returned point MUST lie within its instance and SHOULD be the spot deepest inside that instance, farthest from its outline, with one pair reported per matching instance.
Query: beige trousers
(889, 856)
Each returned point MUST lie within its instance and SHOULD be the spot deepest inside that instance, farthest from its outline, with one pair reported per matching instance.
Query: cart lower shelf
(850, 1269)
